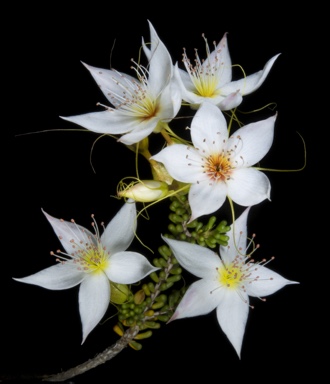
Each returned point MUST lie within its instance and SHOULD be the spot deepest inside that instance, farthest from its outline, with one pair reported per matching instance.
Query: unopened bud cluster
(209, 235)
(152, 305)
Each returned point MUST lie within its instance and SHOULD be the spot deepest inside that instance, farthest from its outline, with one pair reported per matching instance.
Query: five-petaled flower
(141, 105)
(94, 261)
(211, 79)
(217, 165)
(226, 282)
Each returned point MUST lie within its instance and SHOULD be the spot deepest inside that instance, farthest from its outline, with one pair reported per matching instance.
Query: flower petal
(110, 121)
(220, 57)
(209, 129)
(251, 142)
(198, 260)
(119, 233)
(237, 239)
(169, 102)
(232, 313)
(182, 162)
(57, 277)
(128, 267)
(231, 101)
(250, 83)
(70, 233)
(201, 298)
(143, 128)
(160, 63)
(206, 197)
(113, 84)
(265, 282)
(94, 299)
(248, 186)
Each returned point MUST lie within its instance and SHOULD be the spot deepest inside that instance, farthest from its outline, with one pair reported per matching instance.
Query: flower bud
(119, 293)
(145, 191)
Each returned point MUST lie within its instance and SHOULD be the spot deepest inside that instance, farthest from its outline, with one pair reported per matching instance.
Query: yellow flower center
(205, 74)
(218, 167)
(94, 260)
(232, 276)
(87, 252)
(206, 85)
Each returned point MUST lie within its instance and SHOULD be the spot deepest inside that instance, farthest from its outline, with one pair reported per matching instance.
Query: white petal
(198, 260)
(160, 65)
(248, 186)
(128, 267)
(71, 233)
(57, 277)
(209, 129)
(206, 197)
(112, 83)
(265, 282)
(94, 299)
(251, 142)
(183, 79)
(183, 163)
(220, 56)
(232, 313)
(119, 233)
(142, 129)
(250, 83)
(231, 101)
(237, 239)
(110, 121)
(201, 298)
(169, 102)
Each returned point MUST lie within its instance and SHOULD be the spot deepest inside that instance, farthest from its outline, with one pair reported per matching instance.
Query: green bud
(156, 263)
(174, 206)
(162, 274)
(174, 298)
(173, 279)
(166, 285)
(154, 277)
(182, 237)
(119, 293)
(172, 228)
(139, 296)
(151, 287)
(175, 218)
(152, 324)
(211, 223)
(176, 270)
(158, 305)
(163, 263)
(165, 251)
(143, 335)
(223, 227)
(135, 345)
(146, 289)
(163, 318)
(179, 228)
(162, 298)
(180, 211)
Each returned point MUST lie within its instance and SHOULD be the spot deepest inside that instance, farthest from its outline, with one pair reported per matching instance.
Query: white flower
(217, 165)
(211, 79)
(142, 105)
(93, 261)
(226, 282)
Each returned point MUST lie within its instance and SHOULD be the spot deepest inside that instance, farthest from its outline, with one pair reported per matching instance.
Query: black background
(41, 331)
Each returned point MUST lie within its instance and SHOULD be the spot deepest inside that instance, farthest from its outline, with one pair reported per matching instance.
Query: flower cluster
(216, 164)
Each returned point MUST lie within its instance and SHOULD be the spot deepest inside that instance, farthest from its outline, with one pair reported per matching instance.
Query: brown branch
(99, 359)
